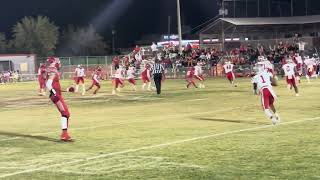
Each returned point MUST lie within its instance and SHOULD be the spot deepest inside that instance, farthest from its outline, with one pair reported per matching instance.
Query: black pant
(157, 80)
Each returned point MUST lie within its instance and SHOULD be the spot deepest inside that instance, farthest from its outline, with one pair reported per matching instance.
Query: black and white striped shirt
(157, 68)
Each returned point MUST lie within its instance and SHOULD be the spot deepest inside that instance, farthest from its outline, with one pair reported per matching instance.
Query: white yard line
(149, 147)
(126, 123)
(191, 100)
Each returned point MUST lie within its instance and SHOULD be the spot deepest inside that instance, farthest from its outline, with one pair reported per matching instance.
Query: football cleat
(274, 120)
(65, 137)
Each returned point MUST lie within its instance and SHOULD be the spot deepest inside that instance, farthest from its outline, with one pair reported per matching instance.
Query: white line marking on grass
(191, 100)
(125, 123)
(151, 147)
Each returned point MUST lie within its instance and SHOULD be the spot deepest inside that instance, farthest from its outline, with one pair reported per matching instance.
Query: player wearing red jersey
(53, 85)
(131, 76)
(228, 70)
(198, 74)
(96, 77)
(118, 80)
(146, 77)
(264, 81)
(290, 73)
(189, 77)
(42, 76)
(297, 59)
(79, 78)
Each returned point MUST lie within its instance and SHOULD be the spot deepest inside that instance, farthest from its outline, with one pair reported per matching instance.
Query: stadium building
(263, 22)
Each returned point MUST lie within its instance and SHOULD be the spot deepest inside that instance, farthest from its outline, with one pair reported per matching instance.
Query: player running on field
(264, 81)
(190, 77)
(131, 77)
(228, 69)
(198, 74)
(290, 73)
(79, 78)
(146, 77)
(118, 80)
(96, 77)
(42, 76)
(297, 59)
(53, 85)
(311, 67)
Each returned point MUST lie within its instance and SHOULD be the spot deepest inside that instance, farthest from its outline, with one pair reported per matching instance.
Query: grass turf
(219, 132)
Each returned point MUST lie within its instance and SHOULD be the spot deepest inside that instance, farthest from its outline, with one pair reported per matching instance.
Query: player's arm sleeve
(49, 82)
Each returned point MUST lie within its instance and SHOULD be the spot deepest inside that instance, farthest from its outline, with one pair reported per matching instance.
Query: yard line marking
(152, 147)
(126, 123)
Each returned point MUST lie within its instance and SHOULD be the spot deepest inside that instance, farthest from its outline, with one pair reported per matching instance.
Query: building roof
(273, 20)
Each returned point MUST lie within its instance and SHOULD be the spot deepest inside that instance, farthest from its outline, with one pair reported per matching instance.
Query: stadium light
(110, 13)
(179, 26)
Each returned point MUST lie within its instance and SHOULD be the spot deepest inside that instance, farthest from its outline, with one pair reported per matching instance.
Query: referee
(157, 71)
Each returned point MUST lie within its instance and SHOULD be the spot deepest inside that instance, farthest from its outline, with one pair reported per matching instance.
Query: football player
(118, 80)
(228, 69)
(264, 81)
(290, 73)
(131, 76)
(53, 86)
(79, 78)
(146, 76)
(42, 76)
(198, 74)
(190, 76)
(96, 77)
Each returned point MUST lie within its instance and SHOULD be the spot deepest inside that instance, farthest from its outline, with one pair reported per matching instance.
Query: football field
(219, 132)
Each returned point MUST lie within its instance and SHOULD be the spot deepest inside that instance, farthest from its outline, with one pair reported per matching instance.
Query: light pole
(179, 26)
(113, 41)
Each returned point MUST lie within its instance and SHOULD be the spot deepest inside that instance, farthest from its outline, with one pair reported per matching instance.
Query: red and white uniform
(190, 74)
(228, 69)
(145, 75)
(96, 79)
(290, 73)
(198, 73)
(131, 75)
(119, 76)
(268, 66)
(80, 75)
(299, 63)
(310, 64)
(263, 81)
(42, 76)
(58, 99)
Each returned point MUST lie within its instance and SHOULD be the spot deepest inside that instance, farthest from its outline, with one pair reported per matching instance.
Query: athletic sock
(64, 123)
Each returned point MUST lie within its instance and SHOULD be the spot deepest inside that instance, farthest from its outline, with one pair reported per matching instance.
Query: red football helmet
(51, 60)
(54, 60)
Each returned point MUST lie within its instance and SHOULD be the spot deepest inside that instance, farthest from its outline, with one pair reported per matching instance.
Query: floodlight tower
(179, 26)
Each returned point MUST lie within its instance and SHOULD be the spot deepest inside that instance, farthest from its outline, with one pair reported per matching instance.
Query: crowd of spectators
(243, 56)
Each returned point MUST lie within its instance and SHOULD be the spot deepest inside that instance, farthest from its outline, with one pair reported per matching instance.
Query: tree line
(39, 35)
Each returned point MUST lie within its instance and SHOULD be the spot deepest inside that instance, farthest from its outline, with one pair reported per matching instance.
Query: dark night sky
(139, 18)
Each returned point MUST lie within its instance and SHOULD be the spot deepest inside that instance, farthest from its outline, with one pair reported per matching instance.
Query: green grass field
(215, 133)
